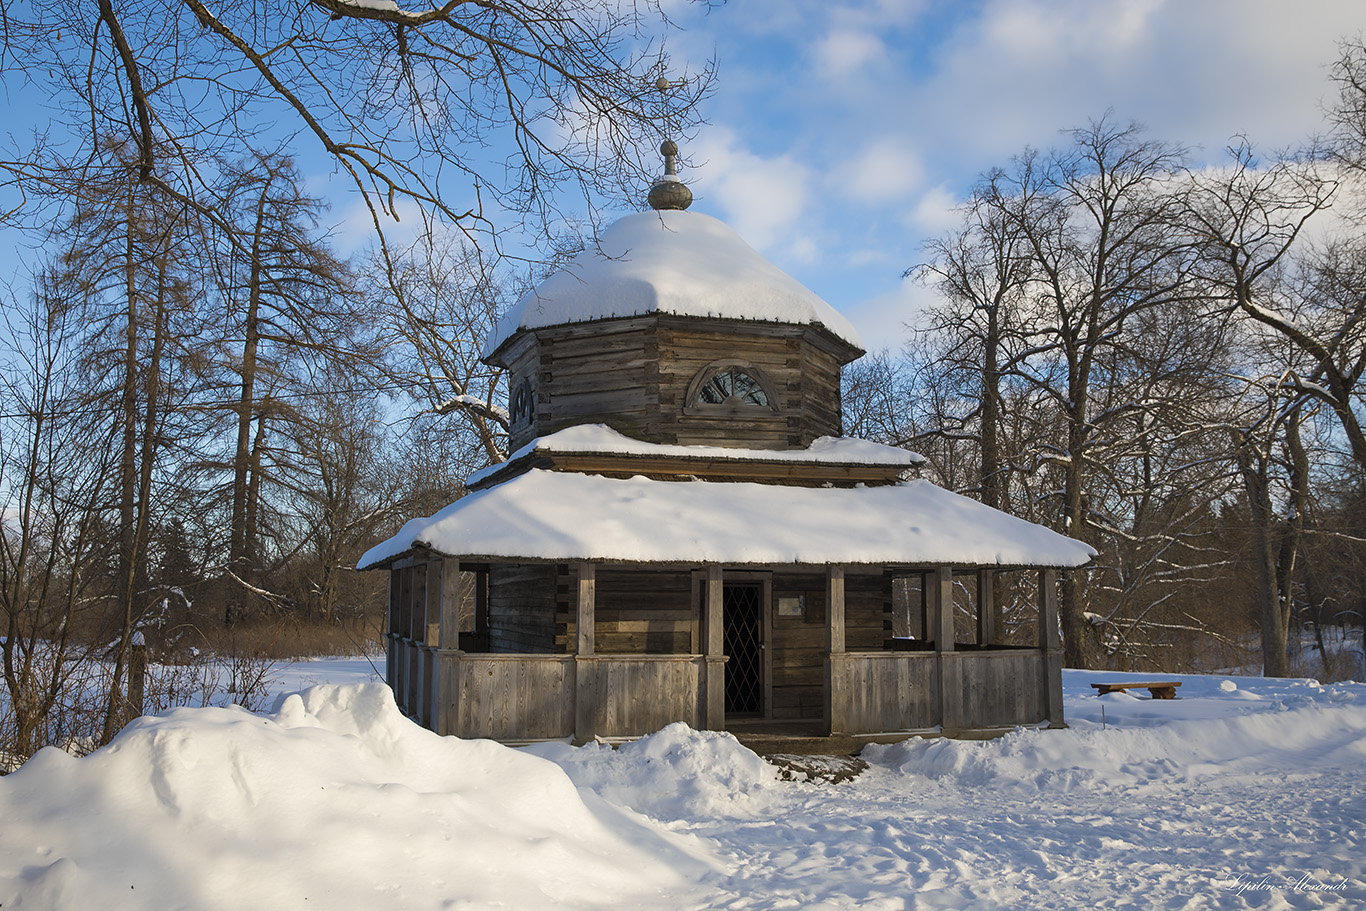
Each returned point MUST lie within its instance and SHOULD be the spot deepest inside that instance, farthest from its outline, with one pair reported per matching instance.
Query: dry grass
(280, 638)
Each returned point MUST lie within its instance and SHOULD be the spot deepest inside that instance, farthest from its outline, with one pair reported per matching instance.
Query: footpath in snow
(1242, 793)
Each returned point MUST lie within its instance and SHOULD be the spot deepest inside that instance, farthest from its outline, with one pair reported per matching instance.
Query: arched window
(521, 403)
(731, 385)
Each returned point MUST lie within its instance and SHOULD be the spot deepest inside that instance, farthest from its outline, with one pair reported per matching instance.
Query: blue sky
(841, 134)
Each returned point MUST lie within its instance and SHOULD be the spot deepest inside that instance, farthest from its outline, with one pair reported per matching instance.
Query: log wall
(634, 374)
(797, 649)
(522, 600)
(637, 612)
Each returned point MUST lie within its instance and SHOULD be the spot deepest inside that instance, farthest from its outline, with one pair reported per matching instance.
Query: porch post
(1051, 645)
(836, 682)
(450, 587)
(481, 611)
(585, 676)
(940, 589)
(714, 690)
(988, 615)
(402, 582)
(941, 608)
(391, 632)
(427, 625)
(417, 631)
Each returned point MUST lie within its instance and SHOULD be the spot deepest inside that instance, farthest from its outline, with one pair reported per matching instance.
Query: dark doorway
(743, 643)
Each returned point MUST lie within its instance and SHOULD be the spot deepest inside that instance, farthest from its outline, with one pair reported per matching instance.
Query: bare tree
(441, 299)
(432, 110)
(289, 308)
(1096, 221)
(126, 267)
(982, 270)
(55, 465)
(1248, 220)
(342, 495)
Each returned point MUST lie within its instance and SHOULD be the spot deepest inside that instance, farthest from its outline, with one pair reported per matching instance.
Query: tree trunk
(128, 475)
(991, 484)
(240, 534)
(1274, 545)
(1079, 640)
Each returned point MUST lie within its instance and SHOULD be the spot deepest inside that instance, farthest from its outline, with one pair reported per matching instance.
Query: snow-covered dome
(670, 262)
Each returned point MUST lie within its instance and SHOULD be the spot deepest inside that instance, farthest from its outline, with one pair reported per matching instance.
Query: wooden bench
(1161, 689)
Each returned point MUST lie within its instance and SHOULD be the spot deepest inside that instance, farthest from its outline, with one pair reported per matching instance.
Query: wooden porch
(935, 685)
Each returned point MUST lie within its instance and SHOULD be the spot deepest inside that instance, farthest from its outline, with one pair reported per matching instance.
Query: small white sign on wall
(793, 606)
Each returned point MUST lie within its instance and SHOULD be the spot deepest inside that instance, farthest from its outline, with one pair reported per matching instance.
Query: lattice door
(743, 632)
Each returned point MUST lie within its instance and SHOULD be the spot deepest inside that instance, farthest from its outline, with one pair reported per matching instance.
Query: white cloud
(1194, 73)
(764, 199)
(882, 320)
(886, 170)
(1054, 33)
(936, 211)
(845, 50)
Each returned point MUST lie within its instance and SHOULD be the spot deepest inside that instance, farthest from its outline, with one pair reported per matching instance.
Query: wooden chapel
(682, 534)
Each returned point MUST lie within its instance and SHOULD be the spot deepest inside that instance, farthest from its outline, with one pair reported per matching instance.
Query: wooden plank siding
(633, 375)
(885, 691)
(797, 650)
(638, 612)
(638, 695)
(888, 692)
(515, 697)
(522, 607)
(645, 671)
(534, 697)
(993, 689)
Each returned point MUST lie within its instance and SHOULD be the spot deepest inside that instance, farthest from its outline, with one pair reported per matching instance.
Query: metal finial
(668, 191)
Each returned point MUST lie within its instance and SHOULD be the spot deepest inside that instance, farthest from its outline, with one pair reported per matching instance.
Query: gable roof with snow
(670, 262)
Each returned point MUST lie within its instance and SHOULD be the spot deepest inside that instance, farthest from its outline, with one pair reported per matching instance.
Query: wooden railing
(518, 697)
(889, 692)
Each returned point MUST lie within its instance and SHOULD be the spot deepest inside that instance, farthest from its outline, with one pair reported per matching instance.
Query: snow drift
(676, 773)
(335, 801)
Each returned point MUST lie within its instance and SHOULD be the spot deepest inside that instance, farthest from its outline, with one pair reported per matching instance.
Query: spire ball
(668, 191)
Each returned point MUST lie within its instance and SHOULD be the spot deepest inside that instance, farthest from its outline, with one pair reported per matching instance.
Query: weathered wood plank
(988, 612)
(516, 697)
(1050, 642)
(714, 691)
(640, 694)
(885, 692)
(940, 604)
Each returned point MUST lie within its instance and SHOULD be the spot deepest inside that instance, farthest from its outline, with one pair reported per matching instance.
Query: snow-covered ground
(1242, 793)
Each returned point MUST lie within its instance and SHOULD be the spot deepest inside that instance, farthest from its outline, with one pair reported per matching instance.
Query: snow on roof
(674, 262)
(544, 515)
(599, 438)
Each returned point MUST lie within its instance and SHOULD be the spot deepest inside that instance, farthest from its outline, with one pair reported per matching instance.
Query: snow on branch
(386, 10)
(474, 405)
